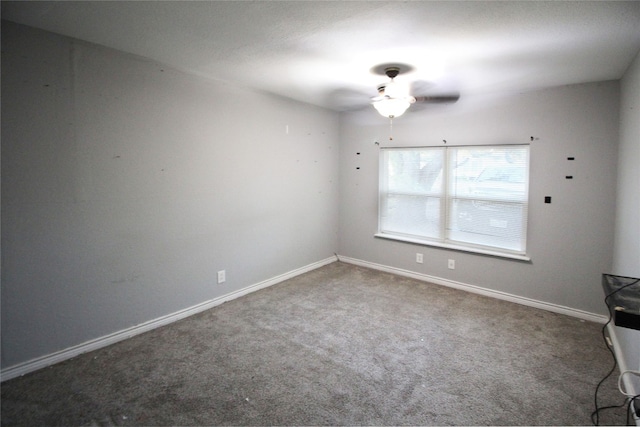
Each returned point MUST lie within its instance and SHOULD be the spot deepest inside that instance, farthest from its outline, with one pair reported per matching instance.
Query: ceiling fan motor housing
(392, 72)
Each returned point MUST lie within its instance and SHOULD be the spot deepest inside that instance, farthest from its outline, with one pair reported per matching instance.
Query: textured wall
(127, 185)
(570, 241)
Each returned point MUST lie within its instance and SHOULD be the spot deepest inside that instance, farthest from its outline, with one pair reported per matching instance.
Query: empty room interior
(165, 160)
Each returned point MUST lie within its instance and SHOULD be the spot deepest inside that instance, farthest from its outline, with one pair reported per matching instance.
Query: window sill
(454, 247)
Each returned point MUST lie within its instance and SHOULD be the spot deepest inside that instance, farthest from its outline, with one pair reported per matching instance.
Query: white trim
(471, 249)
(555, 308)
(95, 344)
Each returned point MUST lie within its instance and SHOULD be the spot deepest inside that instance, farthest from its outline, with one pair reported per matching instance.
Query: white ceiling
(323, 52)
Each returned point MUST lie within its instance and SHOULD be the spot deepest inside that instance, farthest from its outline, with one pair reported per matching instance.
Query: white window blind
(471, 196)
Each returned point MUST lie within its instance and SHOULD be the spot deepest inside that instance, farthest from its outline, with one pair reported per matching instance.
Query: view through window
(468, 196)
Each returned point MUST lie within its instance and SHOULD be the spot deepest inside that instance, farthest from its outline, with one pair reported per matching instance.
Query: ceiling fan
(394, 98)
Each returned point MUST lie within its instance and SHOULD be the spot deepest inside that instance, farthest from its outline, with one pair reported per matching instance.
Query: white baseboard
(584, 315)
(95, 344)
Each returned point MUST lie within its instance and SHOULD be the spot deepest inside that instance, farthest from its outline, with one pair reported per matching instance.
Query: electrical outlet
(452, 264)
(222, 276)
(419, 258)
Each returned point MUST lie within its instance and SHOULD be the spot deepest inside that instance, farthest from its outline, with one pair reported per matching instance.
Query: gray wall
(627, 243)
(570, 241)
(127, 185)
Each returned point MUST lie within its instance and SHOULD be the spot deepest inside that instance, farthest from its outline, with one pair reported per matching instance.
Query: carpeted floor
(341, 345)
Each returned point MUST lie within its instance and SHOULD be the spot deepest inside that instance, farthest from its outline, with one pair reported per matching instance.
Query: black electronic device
(623, 299)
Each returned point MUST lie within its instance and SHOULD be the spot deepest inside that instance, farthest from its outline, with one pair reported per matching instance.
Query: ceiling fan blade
(438, 99)
(349, 99)
(421, 87)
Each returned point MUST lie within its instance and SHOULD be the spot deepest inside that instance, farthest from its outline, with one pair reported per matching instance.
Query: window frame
(443, 219)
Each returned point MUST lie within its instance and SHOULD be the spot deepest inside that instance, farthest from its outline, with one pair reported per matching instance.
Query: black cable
(615, 292)
(597, 411)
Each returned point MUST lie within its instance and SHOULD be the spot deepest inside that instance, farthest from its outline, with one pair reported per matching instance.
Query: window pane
(488, 223)
(415, 171)
(411, 194)
(488, 192)
(494, 173)
(417, 216)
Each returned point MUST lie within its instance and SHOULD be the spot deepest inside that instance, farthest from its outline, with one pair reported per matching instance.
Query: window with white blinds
(472, 198)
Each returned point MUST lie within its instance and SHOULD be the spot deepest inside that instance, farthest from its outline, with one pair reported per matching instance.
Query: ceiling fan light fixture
(393, 98)
(393, 107)
(394, 89)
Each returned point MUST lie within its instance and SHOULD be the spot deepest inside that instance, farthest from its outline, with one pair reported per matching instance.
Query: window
(472, 198)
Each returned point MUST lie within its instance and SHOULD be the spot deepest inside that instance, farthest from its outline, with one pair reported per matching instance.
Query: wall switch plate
(452, 264)
(222, 276)
(419, 258)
